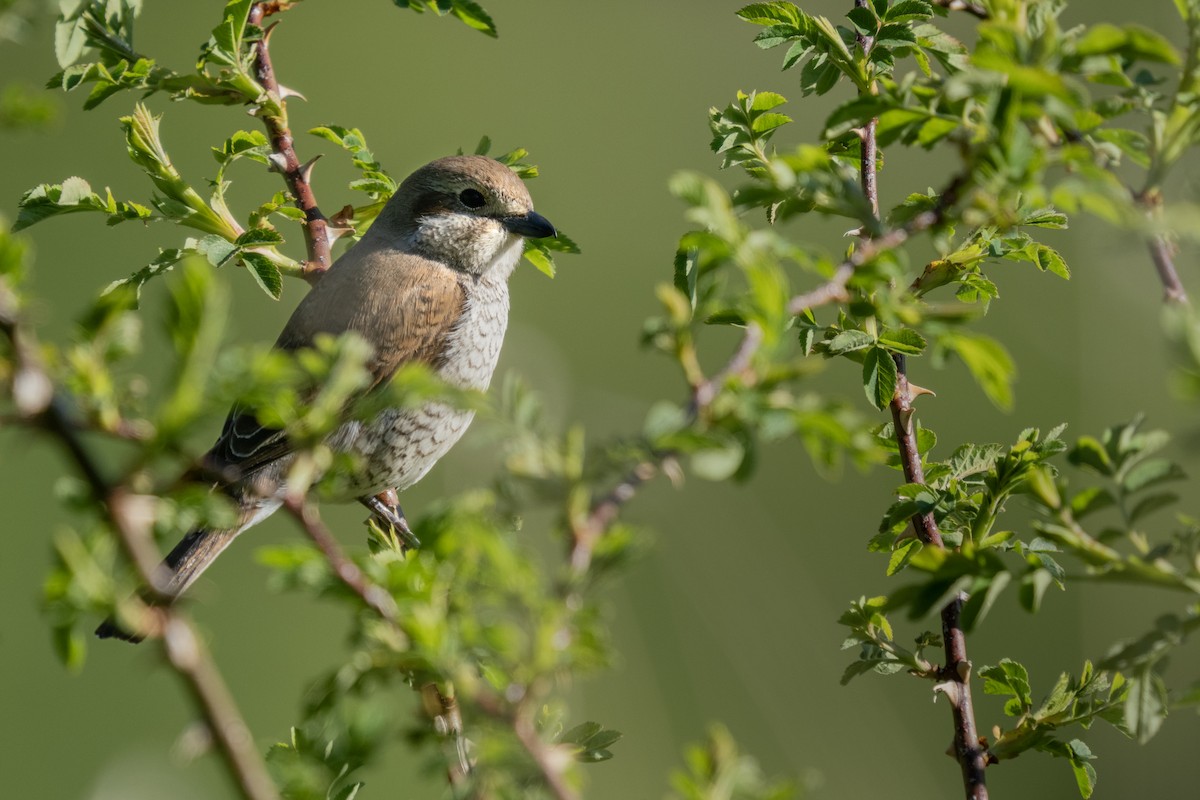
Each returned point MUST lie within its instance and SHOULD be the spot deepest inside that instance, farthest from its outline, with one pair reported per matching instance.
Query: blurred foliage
(490, 628)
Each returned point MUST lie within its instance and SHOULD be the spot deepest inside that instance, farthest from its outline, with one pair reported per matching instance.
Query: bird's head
(469, 212)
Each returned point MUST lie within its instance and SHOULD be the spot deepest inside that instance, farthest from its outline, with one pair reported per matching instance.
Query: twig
(586, 533)
(541, 756)
(834, 289)
(527, 735)
(284, 160)
(130, 520)
(974, 9)
(374, 596)
(441, 707)
(1161, 251)
(910, 456)
(956, 674)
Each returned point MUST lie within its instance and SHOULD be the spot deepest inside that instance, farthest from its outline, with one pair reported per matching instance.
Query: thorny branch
(955, 675)
(40, 406)
(274, 115)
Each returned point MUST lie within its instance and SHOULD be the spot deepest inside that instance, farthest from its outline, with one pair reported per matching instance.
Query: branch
(603, 513)
(974, 9)
(956, 674)
(283, 159)
(375, 597)
(834, 289)
(130, 518)
(441, 707)
(539, 751)
(1161, 251)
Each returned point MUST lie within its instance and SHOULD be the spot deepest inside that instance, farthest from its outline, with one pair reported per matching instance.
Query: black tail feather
(185, 562)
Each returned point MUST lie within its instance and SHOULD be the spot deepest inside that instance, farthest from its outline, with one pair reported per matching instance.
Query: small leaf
(879, 377)
(1048, 260)
(902, 340)
(264, 272)
(848, 341)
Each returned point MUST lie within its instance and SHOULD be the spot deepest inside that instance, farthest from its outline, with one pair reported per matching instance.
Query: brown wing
(404, 305)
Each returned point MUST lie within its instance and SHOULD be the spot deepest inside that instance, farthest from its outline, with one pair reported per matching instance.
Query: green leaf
(909, 11)
(71, 196)
(1085, 777)
(1033, 588)
(848, 341)
(879, 377)
(902, 555)
(1046, 218)
(1008, 678)
(771, 14)
(1146, 704)
(1092, 499)
(718, 463)
(164, 262)
(540, 259)
(1150, 472)
(905, 341)
(1089, 452)
(1151, 503)
(264, 272)
(988, 362)
(475, 17)
(1048, 260)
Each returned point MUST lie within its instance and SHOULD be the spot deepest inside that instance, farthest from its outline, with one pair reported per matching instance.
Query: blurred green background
(731, 616)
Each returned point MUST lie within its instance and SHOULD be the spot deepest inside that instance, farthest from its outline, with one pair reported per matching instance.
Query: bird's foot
(386, 508)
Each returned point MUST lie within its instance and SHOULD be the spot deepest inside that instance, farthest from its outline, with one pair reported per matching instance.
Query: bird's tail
(190, 557)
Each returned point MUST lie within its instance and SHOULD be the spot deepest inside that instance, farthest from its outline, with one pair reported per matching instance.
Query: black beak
(532, 226)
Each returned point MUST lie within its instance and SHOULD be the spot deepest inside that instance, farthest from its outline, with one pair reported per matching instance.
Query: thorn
(951, 689)
(277, 163)
(285, 93)
(853, 233)
(267, 31)
(964, 670)
(307, 168)
(915, 391)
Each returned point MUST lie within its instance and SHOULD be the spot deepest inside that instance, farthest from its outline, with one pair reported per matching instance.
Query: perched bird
(427, 283)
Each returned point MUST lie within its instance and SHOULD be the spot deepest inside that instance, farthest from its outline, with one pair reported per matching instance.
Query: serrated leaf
(848, 341)
(879, 377)
(902, 340)
(1150, 472)
(909, 11)
(265, 273)
(1146, 704)
(540, 259)
(1048, 260)
(770, 13)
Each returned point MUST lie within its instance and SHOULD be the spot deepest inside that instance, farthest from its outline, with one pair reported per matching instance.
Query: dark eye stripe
(431, 203)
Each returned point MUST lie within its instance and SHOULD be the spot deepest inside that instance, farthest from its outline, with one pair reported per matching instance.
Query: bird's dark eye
(472, 198)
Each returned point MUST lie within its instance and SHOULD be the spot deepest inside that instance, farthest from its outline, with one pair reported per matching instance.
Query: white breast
(400, 446)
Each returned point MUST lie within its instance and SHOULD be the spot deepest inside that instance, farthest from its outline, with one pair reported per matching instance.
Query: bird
(428, 284)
